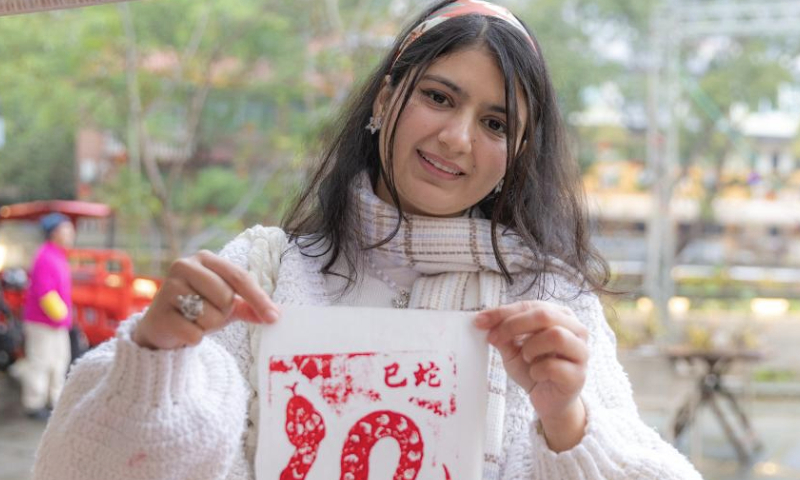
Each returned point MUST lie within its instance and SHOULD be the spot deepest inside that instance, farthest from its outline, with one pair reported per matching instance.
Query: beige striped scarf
(459, 272)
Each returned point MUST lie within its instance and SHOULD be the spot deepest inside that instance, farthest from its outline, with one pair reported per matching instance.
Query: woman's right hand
(228, 293)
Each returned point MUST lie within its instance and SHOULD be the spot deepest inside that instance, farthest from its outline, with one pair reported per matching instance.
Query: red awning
(71, 208)
(12, 7)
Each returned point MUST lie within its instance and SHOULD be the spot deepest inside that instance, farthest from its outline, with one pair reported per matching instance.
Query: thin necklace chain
(402, 296)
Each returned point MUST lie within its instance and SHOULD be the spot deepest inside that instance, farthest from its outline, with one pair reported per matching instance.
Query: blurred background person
(47, 319)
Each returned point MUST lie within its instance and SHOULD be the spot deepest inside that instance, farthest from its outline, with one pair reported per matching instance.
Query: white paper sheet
(371, 394)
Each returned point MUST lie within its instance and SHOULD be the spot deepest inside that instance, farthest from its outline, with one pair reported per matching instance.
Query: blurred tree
(39, 116)
(744, 71)
(591, 42)
(189, 86)
(577, 36)
(213, 98)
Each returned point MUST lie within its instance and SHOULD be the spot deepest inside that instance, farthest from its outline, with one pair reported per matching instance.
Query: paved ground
(777, 420)
(778, 423)
(18, 435)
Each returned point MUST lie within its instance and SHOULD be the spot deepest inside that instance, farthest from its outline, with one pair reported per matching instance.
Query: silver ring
(191, 306)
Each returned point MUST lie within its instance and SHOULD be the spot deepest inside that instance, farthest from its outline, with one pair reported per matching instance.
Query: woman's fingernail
(481, 319)
(492, 336)
(275, 313)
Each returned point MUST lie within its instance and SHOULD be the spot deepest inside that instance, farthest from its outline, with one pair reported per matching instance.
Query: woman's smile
(440, 167)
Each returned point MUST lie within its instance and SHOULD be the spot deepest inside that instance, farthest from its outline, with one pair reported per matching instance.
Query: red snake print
(366, 433)
(305, 428)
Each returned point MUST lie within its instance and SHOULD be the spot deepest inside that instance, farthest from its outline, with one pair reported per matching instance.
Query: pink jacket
(50, 271)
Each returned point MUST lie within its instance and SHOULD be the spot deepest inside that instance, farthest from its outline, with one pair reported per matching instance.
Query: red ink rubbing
(391, 371)
(435, 406)
(337, 394)
(136, 459)
(329, 373)
(366, 433)
(446, 473)
(427, 375)
(313, 366)
(363, 354)
(305, 429)
(279, 366)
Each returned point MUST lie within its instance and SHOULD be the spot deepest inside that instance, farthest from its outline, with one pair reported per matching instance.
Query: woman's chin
(429, 210)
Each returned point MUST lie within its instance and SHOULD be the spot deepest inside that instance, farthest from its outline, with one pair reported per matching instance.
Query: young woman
(446, 186)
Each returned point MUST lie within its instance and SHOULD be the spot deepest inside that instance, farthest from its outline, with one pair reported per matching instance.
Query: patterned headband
(459, 9)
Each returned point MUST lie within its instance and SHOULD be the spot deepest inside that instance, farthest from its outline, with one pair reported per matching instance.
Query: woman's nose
(456, 135)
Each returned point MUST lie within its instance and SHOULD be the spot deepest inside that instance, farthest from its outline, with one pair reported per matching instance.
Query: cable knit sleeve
(132, 413)
(616, 444)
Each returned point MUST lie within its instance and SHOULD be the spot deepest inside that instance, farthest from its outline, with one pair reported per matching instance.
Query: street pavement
(657, 391)
(774, 414)
(18, 434)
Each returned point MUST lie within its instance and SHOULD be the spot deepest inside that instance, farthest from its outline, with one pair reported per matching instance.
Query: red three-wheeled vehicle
(105, 289)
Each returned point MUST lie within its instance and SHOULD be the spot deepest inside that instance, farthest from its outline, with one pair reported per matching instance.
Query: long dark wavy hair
(542, 197)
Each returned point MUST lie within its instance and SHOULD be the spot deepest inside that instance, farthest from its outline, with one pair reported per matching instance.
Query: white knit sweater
(132, 413)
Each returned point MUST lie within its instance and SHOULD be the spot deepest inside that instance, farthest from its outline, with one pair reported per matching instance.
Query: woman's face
(450, 144)
(64, 235)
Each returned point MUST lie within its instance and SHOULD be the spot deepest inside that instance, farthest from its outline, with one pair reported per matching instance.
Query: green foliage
(747, 72)
(130, 193)
(275, 72)
(44, 98)
(214, 190)
(774, 375)
(66, 70)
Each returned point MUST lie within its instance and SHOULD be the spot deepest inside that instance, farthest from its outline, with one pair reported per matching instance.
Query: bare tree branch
(180, 68)
(134, 101)
(136, 126)
(238, 211)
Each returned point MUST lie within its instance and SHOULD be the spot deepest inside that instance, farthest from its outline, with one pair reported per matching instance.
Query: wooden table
(710, 388)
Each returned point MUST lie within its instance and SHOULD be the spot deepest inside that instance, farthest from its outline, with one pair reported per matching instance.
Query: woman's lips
(439, 167)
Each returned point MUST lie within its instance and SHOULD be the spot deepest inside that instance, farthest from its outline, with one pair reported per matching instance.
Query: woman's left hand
(544, 349)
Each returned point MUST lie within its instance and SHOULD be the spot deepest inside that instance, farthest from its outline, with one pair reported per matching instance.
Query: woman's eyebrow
(459, 91)
(447, 82)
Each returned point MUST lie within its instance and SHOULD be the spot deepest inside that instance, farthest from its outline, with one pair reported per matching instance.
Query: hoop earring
(499, 187)
(375, 124)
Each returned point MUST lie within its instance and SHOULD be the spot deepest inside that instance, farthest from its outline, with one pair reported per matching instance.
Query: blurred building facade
(738, 224)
